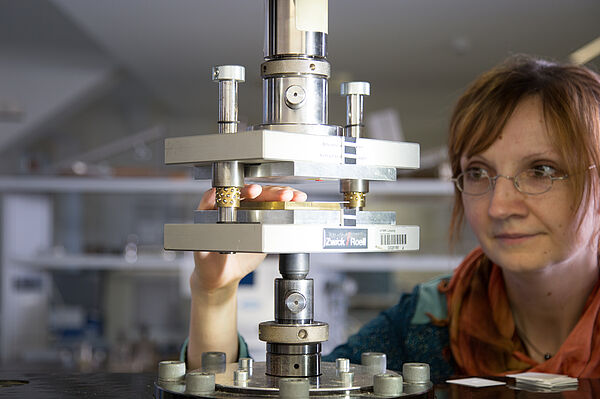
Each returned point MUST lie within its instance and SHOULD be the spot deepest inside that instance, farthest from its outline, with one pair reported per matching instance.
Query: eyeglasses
(531, 181)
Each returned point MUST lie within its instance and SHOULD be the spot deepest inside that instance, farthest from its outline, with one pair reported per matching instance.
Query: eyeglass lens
(529, 181)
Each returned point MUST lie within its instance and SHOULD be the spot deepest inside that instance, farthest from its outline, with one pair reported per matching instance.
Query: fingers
(208, 200)
(256, 192)
(251, 191)
(279, 193)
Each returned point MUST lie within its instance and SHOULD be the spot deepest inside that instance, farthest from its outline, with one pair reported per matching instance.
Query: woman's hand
(216, 272)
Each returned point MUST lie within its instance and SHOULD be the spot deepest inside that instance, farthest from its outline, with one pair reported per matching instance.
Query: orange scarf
(483, 339)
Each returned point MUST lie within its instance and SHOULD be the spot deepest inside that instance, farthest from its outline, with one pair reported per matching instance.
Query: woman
(524, 144)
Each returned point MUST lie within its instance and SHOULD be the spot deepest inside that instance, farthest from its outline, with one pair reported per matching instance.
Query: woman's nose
(505, 199)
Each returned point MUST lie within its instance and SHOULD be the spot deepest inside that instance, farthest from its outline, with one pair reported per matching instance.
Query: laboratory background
(90, 90)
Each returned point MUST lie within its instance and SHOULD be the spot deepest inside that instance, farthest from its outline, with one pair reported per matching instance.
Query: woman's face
(521, 232)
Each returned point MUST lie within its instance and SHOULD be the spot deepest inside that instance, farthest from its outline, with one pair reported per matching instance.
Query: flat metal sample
(260, 146)
(290, 238)
(290, 205)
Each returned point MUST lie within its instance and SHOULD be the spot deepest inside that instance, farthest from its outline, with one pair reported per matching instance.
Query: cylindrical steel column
(295, 70)
(228, 177)
(354, 190)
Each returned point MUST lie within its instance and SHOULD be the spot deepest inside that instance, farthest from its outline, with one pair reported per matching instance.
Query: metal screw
(302, 334)
(295, 302)
(294, 96)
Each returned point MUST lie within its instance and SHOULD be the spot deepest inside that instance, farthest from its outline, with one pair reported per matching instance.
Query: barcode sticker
(392, 239)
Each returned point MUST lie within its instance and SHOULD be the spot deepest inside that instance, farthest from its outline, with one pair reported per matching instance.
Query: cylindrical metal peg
(375, 361)
(387, 385)
(415, 373)
(199, 382)
(342, 364)
(214, 362)
(294, 388)
(171, 370)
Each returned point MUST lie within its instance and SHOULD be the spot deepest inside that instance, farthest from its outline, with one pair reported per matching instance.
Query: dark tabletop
(121, 385)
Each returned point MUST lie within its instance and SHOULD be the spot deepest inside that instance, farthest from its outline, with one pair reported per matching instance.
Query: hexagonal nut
(229, 72)
(360, 88)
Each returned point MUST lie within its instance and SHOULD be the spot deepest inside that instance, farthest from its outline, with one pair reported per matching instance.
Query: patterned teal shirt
(405, 333)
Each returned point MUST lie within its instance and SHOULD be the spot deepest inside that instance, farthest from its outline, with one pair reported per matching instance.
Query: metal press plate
(290, 238)
(303, 172)
(261, 146)
(289, 215)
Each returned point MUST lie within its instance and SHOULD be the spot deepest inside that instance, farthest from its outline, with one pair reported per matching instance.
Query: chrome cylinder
(294, 301)
(354, 92)
(228, 77)
(295, 99)
(228, 110)
(354, 112)
(293, 360)
(228, 174)
(294, 266)
(350, 185)
(295, 29)
(354, 190)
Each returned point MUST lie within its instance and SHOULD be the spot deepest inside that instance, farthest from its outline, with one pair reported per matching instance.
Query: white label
(311, 15)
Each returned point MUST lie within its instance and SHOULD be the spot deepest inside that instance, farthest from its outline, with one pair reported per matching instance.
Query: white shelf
(125, 185)
(99, 262)
(335, 262)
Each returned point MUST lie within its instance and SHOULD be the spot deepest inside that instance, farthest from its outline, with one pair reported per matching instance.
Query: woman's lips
(514, 238)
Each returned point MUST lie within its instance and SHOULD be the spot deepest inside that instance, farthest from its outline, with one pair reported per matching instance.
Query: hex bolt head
(199, 382)
(375, 361)
(295, 302)
(294, 388)
(387, 385)
(171, 370)
(229, 72)
(214, 362)
(347, 378)
(415, 373)
(359, 88)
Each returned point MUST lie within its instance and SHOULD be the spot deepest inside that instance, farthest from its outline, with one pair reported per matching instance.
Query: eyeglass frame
(492, 182)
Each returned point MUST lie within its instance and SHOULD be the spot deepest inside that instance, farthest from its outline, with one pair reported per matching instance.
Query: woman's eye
(476, 173)
(543, 171)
